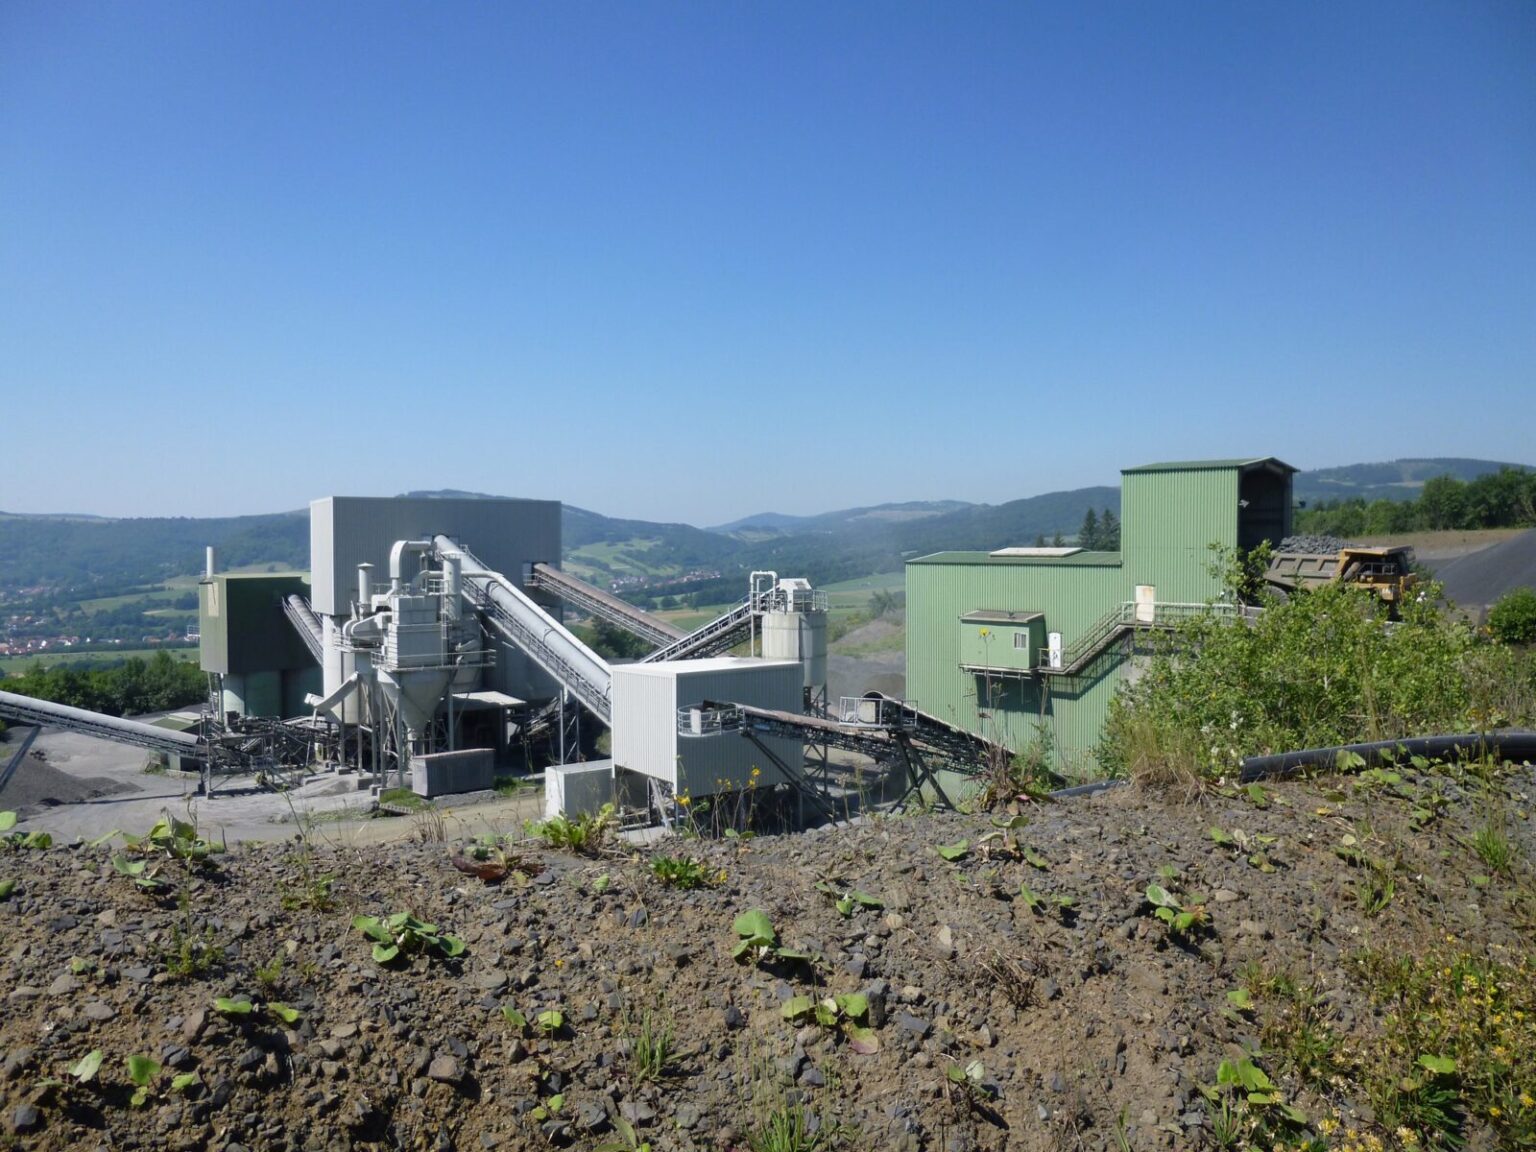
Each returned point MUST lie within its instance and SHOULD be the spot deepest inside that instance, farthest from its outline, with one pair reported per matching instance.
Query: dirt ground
(1088, 1025)
(870, 658)
(1435, 546)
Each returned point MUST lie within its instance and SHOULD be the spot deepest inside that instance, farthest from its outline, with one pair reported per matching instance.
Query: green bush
(1325, 667)
(1513, 618)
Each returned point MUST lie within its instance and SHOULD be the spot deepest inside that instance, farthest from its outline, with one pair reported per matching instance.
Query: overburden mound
(1023, 987)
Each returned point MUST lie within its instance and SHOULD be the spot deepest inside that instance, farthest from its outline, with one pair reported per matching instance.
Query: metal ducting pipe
(397, 556)
(211, 567)
(364, 587)
(536, 633)
(368, 631)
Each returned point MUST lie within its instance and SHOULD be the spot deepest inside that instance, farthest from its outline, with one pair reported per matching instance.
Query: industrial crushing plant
(1026, 646)
(427, 649)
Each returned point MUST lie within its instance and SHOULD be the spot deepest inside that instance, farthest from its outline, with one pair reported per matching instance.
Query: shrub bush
(1513, 618)
(1325, 667)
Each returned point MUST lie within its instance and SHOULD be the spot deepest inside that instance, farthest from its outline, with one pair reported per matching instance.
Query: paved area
(77, 786)
(1481, 578)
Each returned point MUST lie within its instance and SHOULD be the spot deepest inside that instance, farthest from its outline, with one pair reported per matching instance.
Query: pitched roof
(1241, 465)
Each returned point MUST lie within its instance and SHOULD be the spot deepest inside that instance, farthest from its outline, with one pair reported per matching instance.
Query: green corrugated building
(246, 640)
(1022, 641)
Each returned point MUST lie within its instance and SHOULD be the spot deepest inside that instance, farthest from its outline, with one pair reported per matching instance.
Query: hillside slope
(1076, 1027)
(1391, 480)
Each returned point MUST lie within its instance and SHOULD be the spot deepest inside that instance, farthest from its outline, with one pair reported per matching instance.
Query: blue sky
(694, 261)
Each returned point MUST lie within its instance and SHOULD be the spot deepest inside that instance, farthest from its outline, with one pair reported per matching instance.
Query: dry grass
(1163, 759)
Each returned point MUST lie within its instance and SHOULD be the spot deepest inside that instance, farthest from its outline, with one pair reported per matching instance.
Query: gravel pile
(1079, 1020)
(34, 783)
(1313, 545)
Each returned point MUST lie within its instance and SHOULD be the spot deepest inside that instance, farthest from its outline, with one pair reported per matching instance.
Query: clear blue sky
(693, 261)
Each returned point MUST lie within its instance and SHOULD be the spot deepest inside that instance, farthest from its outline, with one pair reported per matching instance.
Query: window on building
(1021, 641)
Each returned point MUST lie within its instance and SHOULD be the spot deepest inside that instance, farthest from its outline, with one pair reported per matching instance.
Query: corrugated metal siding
(1170, 521)
(345, 531)
(249, 632)
(1072, 598)
(645, 723)
(645, 739)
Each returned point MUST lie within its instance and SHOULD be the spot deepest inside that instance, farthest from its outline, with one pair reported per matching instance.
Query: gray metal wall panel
(645, 739)
(645, 723)
(345, 531)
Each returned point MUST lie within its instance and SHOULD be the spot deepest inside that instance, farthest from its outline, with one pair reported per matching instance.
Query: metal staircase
(1122, 621)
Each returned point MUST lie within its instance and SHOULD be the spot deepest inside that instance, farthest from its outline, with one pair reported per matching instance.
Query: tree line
(129, 688)
(1502, 499)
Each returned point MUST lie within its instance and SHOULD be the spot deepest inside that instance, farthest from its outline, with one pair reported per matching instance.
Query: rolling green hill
(1392, 480)
(94, 557)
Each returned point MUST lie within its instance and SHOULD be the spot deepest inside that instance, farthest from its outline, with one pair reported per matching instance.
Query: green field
(690, 618)
(16, 665)
(614, 559)
(107, 603)
(175, 586)
(890, 581)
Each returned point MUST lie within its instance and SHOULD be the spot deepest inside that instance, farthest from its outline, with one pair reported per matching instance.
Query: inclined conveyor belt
(306, 624)
(931, 730)
(26, 710)
(720, 635)
(548, 643)
(604, 605)
(901, 727)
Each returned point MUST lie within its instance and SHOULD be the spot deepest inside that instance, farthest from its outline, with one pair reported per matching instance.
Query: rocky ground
(999, 1024)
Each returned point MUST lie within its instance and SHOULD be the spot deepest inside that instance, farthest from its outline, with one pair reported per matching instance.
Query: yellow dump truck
(1387, 572)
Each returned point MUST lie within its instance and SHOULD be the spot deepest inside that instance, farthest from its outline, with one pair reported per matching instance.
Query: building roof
(1076, 560)
(995, 616)
(1246, 465)
(1042, 553)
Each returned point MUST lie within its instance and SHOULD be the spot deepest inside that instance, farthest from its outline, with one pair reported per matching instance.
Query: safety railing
(697, 721)
(1129, 617)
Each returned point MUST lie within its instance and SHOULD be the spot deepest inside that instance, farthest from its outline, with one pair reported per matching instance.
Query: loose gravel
(1087, 1023)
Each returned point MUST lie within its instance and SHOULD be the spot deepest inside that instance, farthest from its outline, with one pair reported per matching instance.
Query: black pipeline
(1518, 746)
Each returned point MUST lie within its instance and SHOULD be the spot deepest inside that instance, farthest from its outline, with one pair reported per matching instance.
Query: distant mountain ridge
(82, 551)
(1390, 480)
(827, 521)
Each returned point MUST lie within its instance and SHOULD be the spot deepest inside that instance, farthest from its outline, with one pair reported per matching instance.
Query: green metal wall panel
(1170, 520)
(1170, 517)
(1072, 597)
(243, 628)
